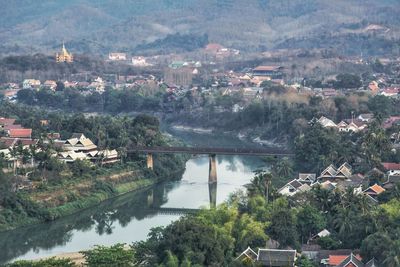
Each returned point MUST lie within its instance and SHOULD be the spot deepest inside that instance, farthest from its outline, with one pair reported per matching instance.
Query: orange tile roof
(20, 132)
(377, 189)
(337, 259)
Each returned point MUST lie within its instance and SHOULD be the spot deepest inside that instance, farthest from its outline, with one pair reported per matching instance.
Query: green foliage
(309, 222)
(283, 223)
(176, 43)
(52, 262)
(116, 255)
(305, 262)
(345, 81)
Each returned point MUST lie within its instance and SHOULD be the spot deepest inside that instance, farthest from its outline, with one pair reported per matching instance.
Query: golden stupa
(64, 56)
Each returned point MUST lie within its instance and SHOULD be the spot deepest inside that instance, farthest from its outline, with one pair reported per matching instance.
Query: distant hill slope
(101, 26)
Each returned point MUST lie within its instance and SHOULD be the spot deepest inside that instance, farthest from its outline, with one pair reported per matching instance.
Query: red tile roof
(9, 142)
(12, 126)
(23, 133)
(214, 47)
(6, 121)
(337, 259)
(391, 166)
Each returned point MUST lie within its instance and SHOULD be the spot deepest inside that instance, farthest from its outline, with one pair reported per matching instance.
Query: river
(130, 217)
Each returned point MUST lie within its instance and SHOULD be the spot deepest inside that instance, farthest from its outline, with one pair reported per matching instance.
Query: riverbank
(52, 202)
(250, 136)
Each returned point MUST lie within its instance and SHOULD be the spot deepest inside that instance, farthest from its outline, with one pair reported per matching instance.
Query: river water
(130, 217)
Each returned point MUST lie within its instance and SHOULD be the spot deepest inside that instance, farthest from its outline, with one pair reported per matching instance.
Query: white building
(140, 62)
(30, 84)
(117, 56)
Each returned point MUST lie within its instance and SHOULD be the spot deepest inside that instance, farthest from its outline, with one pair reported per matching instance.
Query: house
(276, 257)
(367, 117)
(12, 142)
(273, 72)
(390, 92)
(308, 178)
(98, 85)
(374, 190)
(213, 48)
(79, 143)
(30, 84)
(140, 62)
(391, 166)
(104, 156)
(301, 184)
(393, 120)
(268, 257)
(6, 121)
(335, 260)
(247, 256)
(19, 133)
(290, 188)
(326, 123)
(50, 84)
(332, 174)
(117, 56)
(71, 156)
(351, 126)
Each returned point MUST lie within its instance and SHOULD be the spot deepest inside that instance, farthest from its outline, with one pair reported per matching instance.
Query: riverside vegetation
(60, 189)
(250, 218)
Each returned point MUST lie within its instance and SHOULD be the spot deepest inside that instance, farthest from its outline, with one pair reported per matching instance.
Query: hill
(101, 26)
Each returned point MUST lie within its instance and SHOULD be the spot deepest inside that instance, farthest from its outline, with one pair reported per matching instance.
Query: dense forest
(98, 27)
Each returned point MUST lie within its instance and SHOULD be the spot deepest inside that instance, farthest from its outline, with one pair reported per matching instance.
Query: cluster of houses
(341, 178)
(274, 257)
(349, 125)
(82, 148)
(74, 148)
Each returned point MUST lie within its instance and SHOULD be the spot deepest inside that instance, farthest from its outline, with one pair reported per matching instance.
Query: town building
(50, 84)
(30, 84)
(273, 72)
(269, 257)
(117, 56)
(140, 62)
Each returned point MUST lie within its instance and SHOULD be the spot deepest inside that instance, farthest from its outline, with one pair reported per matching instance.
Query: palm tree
(343, 222)
(392, 257)
(260, 184)
(284, 168)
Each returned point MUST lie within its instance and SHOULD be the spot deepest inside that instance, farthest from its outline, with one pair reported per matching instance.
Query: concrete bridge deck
(212, 151)
(175, 211)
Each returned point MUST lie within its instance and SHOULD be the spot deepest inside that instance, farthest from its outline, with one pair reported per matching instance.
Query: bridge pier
(212, 173)
(149, 161)
(150, 198)
(212, 191)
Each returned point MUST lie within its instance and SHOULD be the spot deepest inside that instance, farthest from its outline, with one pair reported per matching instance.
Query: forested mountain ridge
(100, 26)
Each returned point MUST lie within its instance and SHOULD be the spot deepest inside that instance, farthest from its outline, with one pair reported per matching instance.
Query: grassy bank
(49, 202)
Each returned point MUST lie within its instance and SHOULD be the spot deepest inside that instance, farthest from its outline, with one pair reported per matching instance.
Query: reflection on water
(130, 217)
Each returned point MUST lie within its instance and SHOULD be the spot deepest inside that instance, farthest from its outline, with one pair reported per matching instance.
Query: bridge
(175, 211)
(211, 151)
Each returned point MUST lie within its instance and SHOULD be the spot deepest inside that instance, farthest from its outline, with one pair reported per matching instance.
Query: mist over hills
(102, 26)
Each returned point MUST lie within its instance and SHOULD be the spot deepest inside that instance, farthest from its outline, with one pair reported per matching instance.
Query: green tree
(283, 223)
(309, 222)
(102, 256)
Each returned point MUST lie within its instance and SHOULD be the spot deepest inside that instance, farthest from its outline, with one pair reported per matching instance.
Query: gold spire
(64, 56)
